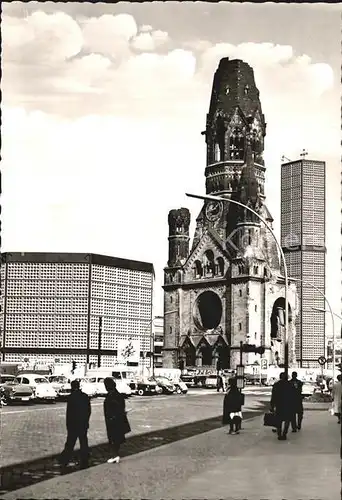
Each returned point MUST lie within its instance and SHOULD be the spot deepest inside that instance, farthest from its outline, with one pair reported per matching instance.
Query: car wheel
(179, 390)
(141, 392)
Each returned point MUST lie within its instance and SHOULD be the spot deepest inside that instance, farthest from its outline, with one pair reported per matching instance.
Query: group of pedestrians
(78, 414)
(286, 405)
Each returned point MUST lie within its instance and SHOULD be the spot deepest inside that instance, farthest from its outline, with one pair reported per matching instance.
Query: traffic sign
(263, 363)
(322, 360)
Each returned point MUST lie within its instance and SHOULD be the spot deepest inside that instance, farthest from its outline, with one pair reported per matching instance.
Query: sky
(103, 108)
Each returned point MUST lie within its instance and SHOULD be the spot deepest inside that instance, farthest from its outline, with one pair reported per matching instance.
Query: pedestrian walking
(116, 419)
(297, 386)
(77, 422)
(282, 403)
(220, 382)
(232, 405)
(337, 395)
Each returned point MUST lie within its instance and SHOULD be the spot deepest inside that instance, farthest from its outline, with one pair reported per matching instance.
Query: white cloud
(128, 124)
(145, 27)
(149, 41)
(41, 38)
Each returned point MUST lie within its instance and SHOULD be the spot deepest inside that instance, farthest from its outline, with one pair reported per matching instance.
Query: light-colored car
(11, 390)
(181, 387)
(42, 389)
(88, 387)
(168, 387)
(61, 385)
(211, 382)
(121, 386)
(308, 388)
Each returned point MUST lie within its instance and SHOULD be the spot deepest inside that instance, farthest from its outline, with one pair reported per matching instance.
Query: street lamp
(330, 310)
(286, 326)
(333, 330)
(326, 310)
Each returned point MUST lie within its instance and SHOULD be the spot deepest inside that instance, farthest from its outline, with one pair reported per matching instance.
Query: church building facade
(227, 287)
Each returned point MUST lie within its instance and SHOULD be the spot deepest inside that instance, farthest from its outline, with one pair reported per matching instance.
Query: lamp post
(308, 283)
(333, 331)
(326, 310)
(286, 326)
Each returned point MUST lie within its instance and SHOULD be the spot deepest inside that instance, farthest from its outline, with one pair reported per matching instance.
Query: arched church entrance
(277, 328)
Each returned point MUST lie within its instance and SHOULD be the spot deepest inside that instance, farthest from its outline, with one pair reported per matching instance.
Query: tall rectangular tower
(303, 242)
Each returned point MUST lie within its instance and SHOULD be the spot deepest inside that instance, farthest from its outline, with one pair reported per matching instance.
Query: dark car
(145, 387)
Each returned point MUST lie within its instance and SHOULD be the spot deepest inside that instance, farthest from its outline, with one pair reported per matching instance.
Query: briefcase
(270, 420)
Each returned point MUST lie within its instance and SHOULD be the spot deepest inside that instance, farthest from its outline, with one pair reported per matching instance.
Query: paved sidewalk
(253, 466)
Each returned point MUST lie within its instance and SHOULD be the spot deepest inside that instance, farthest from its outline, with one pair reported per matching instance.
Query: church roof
(217, 241)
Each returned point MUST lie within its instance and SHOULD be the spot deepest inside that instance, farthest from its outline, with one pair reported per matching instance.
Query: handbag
(270, 420)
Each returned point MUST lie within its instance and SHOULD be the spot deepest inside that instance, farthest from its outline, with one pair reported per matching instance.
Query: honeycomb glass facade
(303, 242)
(51, 305)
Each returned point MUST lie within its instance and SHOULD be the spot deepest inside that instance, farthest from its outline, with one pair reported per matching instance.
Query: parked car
(4, 378)
(211, 381)
(42, 389)
(88, 387)
(121, 386)
(144, 387)
(61, 385)
(167, 386)
(11, 390)
(189, 380)
(308, 389)
(181, 387)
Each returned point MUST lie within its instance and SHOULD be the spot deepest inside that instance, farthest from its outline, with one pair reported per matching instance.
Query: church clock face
(213, 210)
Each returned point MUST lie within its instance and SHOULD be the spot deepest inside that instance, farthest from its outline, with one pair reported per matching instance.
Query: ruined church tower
(227, 286)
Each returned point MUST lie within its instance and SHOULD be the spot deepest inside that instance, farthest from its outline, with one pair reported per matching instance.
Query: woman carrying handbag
(232, 405)
(116, 419)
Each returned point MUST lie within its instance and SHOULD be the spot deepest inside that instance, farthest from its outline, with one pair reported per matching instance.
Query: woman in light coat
(337, 395)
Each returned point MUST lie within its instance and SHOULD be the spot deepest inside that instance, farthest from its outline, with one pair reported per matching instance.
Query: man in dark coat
(77, 422)
(115, 417)
(282, 402)
(232, 404)
(297, 386)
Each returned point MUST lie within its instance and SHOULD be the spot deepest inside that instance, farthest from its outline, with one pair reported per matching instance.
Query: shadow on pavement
(14, 477)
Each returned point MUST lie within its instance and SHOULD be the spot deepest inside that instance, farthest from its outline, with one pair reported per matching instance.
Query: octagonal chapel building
(228, 286)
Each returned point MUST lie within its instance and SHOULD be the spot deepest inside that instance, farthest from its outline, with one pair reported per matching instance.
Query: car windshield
(4, 380)
(60, 380)
(41, 380)
(92, 380)
(165, 380)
